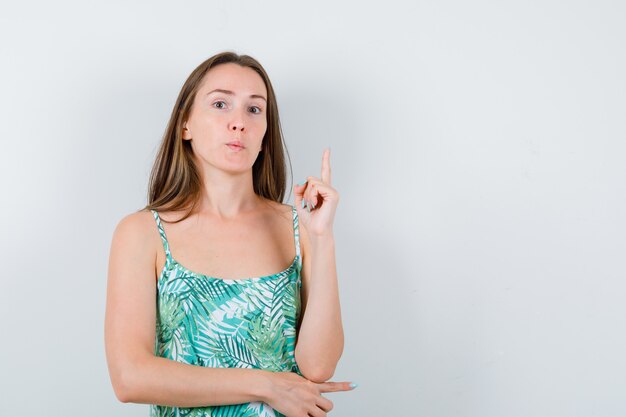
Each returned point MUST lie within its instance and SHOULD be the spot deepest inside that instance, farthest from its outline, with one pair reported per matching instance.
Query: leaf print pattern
(225, 323)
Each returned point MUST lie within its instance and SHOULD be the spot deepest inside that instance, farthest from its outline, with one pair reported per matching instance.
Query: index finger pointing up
(326, 166)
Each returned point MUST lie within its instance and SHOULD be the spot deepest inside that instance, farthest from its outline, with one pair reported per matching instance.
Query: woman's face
(230, 106)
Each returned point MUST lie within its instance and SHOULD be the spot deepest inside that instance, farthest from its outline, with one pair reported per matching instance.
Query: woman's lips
(234, 147)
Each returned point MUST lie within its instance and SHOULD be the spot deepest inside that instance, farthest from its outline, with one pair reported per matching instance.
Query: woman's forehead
(235, 78)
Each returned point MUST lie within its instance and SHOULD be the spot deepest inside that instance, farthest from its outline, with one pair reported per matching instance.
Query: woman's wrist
(264, 386)
(322, 240)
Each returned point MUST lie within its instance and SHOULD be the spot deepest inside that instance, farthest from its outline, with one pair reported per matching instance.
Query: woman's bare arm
(137, 375)
(320, 335)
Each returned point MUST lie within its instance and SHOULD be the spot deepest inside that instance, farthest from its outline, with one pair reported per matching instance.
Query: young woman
(198, 321)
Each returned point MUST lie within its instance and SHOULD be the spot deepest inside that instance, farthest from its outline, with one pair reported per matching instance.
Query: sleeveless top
(227, 323)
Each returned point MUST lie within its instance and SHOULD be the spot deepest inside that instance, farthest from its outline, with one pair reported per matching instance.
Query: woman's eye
(258, 110)
(219, 102)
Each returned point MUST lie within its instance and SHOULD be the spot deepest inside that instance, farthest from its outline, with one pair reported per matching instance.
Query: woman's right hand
(296, 396)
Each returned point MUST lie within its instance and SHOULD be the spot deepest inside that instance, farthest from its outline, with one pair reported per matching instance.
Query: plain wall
(478, 148)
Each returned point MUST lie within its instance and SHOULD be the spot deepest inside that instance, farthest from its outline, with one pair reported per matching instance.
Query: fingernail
(302, 183)
(302, 203)
(308, 208)
(313, 204)
(353, 385)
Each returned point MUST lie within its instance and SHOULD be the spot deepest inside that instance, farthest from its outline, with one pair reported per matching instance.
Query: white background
(478, 148)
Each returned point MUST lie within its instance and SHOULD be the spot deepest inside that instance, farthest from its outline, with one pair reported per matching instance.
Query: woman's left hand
(316, 201)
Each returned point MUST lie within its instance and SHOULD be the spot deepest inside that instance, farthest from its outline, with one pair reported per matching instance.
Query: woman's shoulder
(283, 210)
(135, 238)
(285, 207)
(138, 226)
(142, 218)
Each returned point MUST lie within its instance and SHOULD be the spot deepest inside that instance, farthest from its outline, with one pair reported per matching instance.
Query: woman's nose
(237, 122)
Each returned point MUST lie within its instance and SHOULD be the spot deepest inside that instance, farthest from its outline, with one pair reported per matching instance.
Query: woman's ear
(186, 132)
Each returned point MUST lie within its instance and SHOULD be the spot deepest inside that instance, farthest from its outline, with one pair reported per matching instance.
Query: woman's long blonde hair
(175, 181)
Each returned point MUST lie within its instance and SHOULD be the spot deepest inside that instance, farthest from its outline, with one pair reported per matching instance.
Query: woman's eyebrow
(219, 90)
